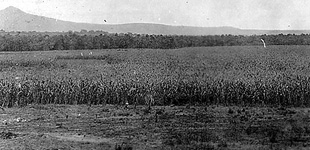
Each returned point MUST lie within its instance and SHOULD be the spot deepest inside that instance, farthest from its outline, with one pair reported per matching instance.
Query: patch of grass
(188, 137)
(37, 64)
(7, 135)
(109, 59)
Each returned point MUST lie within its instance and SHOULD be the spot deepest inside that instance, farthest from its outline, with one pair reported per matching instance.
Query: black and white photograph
(154, 74)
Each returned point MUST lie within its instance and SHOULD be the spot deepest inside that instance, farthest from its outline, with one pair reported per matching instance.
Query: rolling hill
(14, 19)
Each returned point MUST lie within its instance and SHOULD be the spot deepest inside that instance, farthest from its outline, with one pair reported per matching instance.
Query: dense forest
(35, 41)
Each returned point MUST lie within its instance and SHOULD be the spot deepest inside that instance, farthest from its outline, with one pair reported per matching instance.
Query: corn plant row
(285, 91)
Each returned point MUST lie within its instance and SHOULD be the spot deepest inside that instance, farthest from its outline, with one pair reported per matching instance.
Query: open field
(233, 98)
(246, 76)
(76, 127)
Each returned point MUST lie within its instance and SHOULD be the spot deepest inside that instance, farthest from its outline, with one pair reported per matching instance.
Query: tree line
(103, 40)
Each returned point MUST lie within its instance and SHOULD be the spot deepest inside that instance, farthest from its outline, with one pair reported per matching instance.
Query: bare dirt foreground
(64, 127)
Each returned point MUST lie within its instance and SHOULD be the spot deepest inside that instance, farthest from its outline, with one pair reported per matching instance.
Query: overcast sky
(246, 14)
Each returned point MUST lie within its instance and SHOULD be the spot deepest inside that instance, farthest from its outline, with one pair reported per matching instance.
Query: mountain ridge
(14, 19)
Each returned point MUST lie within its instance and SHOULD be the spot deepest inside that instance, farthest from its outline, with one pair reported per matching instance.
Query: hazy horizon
(243, 14)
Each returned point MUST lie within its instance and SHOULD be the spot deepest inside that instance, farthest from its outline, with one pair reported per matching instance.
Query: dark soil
(181, 127)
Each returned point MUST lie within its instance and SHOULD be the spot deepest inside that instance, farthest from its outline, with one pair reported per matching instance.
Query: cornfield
(247, 76)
